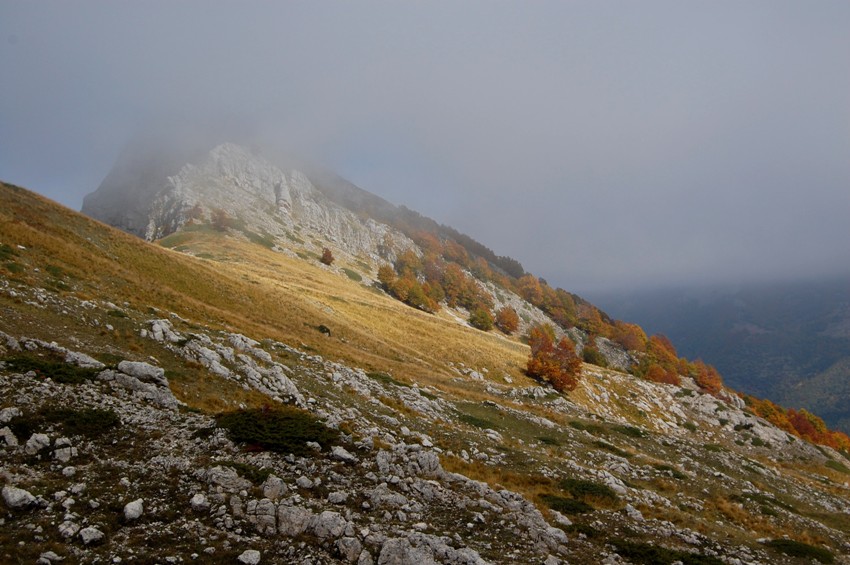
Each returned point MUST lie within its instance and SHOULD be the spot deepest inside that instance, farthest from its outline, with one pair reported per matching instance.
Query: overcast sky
(602, 144)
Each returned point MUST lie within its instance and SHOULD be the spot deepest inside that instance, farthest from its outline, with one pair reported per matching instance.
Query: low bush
(799, 549)
(52, 367)
(642, 553)
(284, 430)
(583, 489)
(88, 422)
(630, 431)
(565, 505)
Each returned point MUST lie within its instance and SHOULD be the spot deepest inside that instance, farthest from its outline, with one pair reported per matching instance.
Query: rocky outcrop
(257, 199)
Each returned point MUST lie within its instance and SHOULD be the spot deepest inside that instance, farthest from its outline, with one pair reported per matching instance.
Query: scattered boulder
(249, 557)
(199, 503)
(134, 510)
(36, 443)
(328, 525)
(341, 454)
(91, 535)
(293, 520)
(145, 372)
(15, 497)
(8, 437)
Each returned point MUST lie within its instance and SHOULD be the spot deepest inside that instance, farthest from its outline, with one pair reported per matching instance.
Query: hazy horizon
(604, 146)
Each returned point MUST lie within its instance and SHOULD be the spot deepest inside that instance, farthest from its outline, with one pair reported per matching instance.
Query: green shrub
(647, 554)
(481, 319)
(88, 422)
(565, 505)
(630, 431)
(593, 356)
(800, 549)
(52, 367)
(13, 267)
(583, 489)
(285, 429)
(116, 313)
(690, 426)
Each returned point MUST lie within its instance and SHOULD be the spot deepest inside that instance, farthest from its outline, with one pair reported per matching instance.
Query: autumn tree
(220, 220)
(327, 256)
(386, 276)
(529, 288)
(706, 377)
(408, 262)
(556, 364)
(480, 318)
(507, 320)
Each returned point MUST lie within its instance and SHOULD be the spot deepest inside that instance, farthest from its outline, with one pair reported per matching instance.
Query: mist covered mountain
(789, 342)
(278, 366)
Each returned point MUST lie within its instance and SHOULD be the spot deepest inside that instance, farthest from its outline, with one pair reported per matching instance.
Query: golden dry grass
(252, 290)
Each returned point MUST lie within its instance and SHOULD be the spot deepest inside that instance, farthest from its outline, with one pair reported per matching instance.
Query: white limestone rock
(134, 510)
(15, 497)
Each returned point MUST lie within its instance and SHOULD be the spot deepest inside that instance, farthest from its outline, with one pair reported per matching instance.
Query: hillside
(430, 444)
(787, 342)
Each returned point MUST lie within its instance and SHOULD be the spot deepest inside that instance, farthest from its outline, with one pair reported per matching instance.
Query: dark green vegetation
(89, 422)
(565, 505)
(50, 367)
(285, 430)
(642, 553)
(800, 549)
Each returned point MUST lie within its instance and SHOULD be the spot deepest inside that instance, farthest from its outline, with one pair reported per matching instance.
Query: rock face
(151, 197)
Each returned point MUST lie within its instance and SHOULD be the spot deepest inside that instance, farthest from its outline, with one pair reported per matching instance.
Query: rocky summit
(224, 394)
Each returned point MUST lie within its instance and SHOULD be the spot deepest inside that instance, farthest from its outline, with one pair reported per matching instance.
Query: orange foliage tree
(556, 364)
(706, 377)
(507, 320)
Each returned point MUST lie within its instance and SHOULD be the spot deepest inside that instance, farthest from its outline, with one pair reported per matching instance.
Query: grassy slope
(245, 287)
(249, 289)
